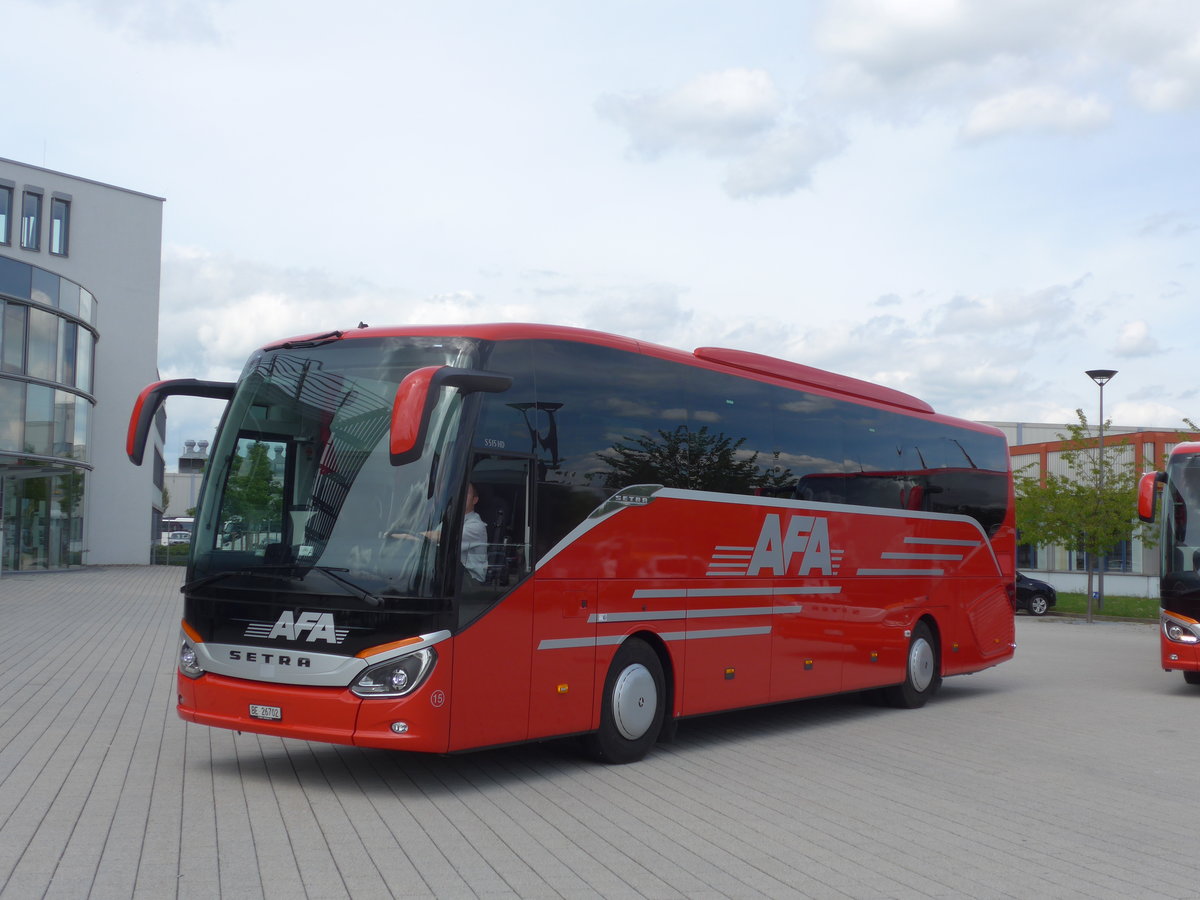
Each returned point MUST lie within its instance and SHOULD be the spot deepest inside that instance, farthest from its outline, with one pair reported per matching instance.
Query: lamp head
(1101, 376)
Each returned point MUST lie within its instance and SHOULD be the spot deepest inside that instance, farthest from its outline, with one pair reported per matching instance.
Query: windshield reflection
(301, 476)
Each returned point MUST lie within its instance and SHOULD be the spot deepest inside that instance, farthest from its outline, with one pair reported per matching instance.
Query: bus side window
(501, 486)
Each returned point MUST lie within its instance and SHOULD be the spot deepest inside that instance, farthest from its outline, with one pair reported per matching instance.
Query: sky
(970, 201)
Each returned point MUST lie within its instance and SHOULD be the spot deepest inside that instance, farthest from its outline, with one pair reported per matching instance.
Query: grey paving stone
(1069, 772)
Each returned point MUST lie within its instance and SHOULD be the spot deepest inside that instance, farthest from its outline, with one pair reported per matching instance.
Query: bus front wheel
(1191, 677)
(633, 706)
(922, 672)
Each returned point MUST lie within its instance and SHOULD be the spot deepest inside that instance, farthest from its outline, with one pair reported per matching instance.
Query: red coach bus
(448, 538)
(1179, 637)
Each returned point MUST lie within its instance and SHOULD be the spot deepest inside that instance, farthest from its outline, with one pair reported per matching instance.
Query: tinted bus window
(614, 418)
(732, 444)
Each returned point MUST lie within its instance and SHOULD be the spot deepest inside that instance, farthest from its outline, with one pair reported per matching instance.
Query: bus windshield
(301, 477)
(1181, 528)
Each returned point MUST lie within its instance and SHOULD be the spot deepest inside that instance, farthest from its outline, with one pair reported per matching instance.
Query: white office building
(79, 293)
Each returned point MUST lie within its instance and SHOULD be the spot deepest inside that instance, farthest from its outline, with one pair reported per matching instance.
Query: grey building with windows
(79, 292)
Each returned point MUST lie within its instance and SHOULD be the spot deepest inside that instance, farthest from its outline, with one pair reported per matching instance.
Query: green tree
(696, 460)
(1072, 510)
(252, 492)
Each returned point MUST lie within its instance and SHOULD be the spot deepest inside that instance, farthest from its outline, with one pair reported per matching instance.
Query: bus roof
(766, 367)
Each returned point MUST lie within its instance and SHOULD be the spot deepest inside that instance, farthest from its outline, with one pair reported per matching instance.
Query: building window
(31, 221)
(39, 419)
(12, 415)
(83, 360)
(6, 207)
(12, 345)
(60, 225)
(41, 359)
(68, 349)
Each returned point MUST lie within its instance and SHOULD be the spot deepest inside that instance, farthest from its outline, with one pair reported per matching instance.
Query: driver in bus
(473, 552)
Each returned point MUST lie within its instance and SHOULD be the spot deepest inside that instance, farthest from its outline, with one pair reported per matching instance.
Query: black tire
(633, 705)
(1039, 605)
(1191, 677)
(922, 672)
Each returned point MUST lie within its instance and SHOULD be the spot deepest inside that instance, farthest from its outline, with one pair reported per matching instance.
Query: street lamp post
(1101, 377)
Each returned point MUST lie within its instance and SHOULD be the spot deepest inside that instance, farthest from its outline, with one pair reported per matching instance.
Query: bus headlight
(1178, 631)
(187, 661)
(396, 677)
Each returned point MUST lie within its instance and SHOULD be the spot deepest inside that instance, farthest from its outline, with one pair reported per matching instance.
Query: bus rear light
(188, 663)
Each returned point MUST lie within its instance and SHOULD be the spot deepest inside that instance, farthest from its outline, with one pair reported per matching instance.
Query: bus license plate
(265, 712)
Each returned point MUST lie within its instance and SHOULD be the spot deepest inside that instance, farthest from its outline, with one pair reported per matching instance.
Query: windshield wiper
(363, 594)
(314, 341)
(293, 571)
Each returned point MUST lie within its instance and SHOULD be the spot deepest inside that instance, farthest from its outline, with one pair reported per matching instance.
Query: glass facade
(47, 342)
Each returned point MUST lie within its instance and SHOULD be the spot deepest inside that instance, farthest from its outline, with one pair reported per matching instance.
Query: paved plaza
(1073, 772)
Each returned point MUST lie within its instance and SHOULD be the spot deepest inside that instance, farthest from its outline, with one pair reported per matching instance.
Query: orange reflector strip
(190, 632)
(383, 648)
(563, 688)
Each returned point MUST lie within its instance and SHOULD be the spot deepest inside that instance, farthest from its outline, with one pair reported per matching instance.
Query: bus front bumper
(419, 722)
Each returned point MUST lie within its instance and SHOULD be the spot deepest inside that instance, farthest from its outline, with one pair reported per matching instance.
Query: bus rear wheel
(633, 706)
(922, 672)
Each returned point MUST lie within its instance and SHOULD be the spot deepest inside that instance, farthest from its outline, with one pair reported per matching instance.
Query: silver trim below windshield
(288, 666)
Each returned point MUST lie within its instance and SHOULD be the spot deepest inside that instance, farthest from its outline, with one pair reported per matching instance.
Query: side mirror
(415, 399)
(152, 397)
(1147, 498)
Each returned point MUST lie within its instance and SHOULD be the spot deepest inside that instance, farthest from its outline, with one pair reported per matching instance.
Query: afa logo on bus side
(778, 546)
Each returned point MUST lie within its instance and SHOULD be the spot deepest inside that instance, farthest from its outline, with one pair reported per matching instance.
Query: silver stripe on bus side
(948, 542)
(675, 614)
(613, 640)
(948, 556)
(938, 572)
(570, 643)
(684, 593)
(643, 616)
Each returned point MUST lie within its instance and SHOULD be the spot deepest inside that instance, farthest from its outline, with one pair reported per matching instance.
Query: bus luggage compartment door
(564, 658)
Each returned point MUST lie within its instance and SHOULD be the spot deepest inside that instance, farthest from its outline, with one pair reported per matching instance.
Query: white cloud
(894, 40)
(1047, 109)
(714, 113)
(783, 162)
(1017, 65)
(188, 21)
(734, 115)
(1169, 224)
(1044, 314)
(1171, 79)
(1135, 340)
(652, 313)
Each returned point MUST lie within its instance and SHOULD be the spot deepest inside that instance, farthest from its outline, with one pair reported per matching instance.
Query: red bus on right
(1179, 636)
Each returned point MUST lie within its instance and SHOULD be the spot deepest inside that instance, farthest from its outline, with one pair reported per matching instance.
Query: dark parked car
(1034, 596)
